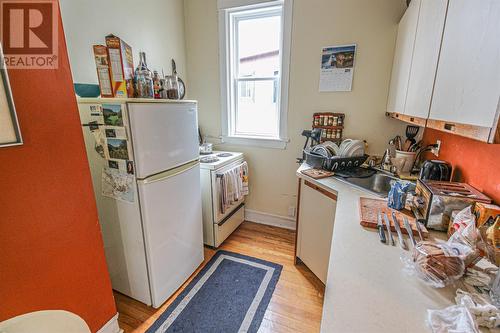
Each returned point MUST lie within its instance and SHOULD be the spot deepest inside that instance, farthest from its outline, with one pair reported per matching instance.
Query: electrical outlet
(291, 211)
(435, 150)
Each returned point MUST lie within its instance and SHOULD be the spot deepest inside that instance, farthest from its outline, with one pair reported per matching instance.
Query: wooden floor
(297, 301)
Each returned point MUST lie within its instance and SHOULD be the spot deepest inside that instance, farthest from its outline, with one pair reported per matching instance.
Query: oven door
(216, 193)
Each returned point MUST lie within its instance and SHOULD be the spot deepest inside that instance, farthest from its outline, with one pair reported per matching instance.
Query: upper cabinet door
(425, 57)
(402, 58)
(467, 86)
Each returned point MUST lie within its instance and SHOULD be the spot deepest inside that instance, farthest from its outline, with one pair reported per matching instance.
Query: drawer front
(225, 228)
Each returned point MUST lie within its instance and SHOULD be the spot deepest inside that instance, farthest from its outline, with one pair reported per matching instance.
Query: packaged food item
(485, 214)
(122, 66)
(493, 238)
(437, 264)
(103, 70)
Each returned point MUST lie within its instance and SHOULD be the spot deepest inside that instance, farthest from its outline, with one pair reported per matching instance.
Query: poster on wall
(337, 68)
(10, 134)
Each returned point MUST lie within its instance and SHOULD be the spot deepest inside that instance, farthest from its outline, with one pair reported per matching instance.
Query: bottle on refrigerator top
(156, 85)
(143, 79)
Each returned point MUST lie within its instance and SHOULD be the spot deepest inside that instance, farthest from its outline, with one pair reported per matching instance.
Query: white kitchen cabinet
(403, 58)
(467, 86)
(425, 57)
(316, 216)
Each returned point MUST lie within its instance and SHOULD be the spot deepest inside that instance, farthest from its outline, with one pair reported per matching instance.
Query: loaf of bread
(436, 263)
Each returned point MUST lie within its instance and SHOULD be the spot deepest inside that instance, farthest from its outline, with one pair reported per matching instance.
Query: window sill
(255, 142)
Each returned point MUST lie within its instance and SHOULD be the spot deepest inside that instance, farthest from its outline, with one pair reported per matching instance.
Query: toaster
(435, 201)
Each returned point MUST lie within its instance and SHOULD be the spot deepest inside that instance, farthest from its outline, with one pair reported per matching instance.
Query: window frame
(229, 88)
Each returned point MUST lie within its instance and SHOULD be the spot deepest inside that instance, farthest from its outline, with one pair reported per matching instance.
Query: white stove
(218, 159)
(218, 225)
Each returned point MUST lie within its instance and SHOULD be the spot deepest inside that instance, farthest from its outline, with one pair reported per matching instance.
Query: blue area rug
(230, 294)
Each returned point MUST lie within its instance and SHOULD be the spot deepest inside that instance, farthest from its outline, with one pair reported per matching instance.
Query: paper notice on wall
(118, 185)
(337, 68)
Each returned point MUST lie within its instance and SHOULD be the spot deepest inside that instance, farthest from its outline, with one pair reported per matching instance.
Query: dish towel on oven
(233, 185)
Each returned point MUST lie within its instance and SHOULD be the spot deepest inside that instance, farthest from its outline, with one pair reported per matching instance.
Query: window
(254, 72)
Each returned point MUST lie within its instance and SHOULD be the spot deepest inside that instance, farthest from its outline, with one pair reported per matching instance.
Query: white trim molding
(111, 326)
(270, 219)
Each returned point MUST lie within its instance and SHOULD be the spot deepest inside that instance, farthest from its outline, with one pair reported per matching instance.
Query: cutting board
(368, 213)
(317, 173)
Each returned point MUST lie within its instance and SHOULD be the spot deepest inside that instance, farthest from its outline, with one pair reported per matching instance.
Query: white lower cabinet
(315, 227)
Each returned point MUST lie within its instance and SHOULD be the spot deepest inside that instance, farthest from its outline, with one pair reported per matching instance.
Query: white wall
(153, 26)
(372, 25)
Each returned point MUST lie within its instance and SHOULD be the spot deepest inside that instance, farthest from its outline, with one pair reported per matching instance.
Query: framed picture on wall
(10, 135)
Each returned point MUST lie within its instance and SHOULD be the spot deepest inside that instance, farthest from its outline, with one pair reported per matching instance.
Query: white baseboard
(270, 219)
(111, 326)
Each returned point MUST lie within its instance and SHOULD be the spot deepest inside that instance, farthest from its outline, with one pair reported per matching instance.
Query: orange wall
(51, 250)
(474, 162)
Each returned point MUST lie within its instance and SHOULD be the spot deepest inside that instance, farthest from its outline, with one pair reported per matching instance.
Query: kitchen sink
(378, 183)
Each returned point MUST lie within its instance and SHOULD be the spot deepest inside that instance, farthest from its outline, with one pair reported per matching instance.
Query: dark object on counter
(87, 90)
(358, 172)
(315, 136)
(436, 170)
(411, 133)
(380, 228)
(333, 163)
(436, 200)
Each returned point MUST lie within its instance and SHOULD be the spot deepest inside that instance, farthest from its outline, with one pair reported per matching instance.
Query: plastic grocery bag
(435, 263)
(456, 319)
(397, 195)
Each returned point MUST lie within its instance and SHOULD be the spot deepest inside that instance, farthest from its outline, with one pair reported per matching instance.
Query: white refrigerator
(154, 242)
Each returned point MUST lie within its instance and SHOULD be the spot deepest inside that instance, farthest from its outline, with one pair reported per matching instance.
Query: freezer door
(171, 211)
(164, 135)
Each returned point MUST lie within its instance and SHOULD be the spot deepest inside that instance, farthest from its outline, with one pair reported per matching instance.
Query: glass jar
(143, 79)
(172, 86)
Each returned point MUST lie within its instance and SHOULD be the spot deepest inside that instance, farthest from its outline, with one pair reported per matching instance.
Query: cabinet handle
(449, 127)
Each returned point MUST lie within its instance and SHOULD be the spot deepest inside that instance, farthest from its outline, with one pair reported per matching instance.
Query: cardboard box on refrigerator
(122, 66)
(103, 70)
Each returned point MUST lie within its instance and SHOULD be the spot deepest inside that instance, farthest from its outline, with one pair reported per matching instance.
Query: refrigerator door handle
(170, 173)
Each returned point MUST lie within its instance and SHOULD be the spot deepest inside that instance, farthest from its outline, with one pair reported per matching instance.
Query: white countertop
(366, 288)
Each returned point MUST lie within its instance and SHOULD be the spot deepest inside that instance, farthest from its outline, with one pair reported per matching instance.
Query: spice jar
(316, 120)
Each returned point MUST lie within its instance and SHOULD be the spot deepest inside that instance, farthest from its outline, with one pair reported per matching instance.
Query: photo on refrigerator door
(113, 115)
(117, 185)
(117, 149)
